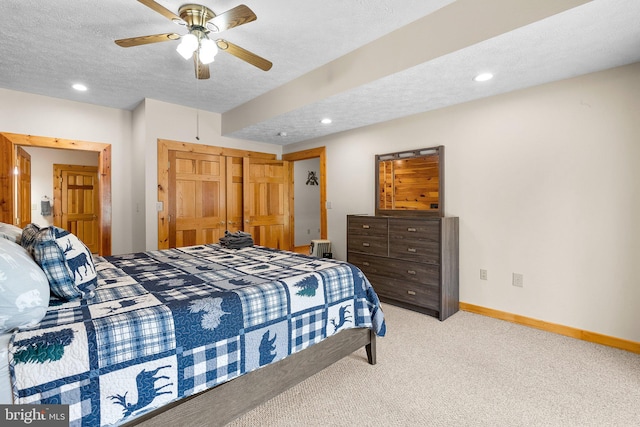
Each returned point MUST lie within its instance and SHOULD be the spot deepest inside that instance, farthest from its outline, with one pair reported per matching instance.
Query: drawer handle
(411, 292)
(412, 272)
(366, 263)
(366, 245)
(411, 229)
(365, 226)
(413, 250)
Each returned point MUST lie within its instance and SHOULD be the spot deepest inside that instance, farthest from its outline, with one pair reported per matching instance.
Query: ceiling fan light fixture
(187, 46)
(200, 21)
(208, 51)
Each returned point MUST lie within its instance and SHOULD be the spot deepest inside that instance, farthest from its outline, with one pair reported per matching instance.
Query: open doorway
(301, 243)
(8, 162)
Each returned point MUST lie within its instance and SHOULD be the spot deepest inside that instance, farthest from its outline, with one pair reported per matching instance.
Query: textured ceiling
(47, 46)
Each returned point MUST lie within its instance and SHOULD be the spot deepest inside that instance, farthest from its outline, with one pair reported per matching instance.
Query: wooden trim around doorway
(311, 153)
(8, 142)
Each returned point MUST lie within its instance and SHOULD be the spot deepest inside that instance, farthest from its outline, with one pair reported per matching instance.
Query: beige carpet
(469, 370)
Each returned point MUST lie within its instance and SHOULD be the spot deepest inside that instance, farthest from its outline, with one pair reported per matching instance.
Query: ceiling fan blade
(155, 38)
(202, 70)
(232, 18)
(162, 11)
(244, 54)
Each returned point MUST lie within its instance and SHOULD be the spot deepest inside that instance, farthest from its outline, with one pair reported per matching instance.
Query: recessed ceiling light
(325, 121)
(80, 87)
(483, 77)
(282, 134)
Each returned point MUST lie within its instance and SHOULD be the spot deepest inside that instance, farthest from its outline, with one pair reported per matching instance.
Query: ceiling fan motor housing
(196, 16)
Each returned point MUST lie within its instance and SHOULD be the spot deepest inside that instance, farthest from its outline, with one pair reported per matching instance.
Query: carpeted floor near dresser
(469, 370)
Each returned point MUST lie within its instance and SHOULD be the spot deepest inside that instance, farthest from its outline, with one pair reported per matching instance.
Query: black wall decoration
(312, 178)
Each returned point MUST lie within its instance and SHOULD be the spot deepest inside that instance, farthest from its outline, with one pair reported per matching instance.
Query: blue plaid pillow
(28, 237)
(66, 262)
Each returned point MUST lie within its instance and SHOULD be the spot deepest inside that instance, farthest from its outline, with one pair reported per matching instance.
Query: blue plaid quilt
(166, 324)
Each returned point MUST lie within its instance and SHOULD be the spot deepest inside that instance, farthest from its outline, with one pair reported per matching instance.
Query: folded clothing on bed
(237, 240)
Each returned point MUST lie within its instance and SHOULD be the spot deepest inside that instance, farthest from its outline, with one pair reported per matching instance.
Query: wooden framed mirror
(410, 183)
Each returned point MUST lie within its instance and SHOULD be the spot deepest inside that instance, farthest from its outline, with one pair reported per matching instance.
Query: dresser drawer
(374, 245)
(415, 250)
(410, 272)
(415, 229)
(365, 262)
(367, 226)
(426, 296)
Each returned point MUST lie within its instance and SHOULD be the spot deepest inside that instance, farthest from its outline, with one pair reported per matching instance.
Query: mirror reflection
(410, 182)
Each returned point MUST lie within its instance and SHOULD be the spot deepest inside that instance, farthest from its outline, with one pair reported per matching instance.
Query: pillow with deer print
(66, 262)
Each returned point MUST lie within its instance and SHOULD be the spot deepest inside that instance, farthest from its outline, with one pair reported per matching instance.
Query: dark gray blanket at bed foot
(237, 240)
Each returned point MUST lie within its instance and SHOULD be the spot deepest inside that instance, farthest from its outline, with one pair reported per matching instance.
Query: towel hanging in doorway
(45, 206)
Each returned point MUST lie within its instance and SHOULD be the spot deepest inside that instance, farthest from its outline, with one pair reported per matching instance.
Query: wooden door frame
(164, 146)
(8, 142)
(311, 153)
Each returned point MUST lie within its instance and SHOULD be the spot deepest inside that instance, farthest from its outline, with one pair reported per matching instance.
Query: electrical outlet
(518, 280)
(483, 274)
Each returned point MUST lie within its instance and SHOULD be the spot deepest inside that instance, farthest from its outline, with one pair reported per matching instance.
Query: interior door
(24, 187)
(266, 202)
(76, 203)
(196, 198)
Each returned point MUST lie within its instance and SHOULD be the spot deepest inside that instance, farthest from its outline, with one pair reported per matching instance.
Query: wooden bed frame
(226, 402)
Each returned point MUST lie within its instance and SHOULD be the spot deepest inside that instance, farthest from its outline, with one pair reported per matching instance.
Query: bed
(195, 335)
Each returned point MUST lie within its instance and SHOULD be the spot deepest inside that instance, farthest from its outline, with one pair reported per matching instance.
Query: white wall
(138, 188)
(50, 117)
(42, 161)
(545, 182)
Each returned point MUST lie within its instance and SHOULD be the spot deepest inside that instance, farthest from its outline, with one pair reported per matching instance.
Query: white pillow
(24, 289)
(10, 232)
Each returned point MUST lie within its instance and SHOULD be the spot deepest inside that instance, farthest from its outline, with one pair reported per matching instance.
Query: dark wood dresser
(412, 262)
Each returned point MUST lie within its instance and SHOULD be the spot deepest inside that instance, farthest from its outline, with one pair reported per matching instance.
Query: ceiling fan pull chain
(197, 109)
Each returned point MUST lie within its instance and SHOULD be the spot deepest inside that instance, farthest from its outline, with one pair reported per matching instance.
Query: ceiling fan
(201, 21)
